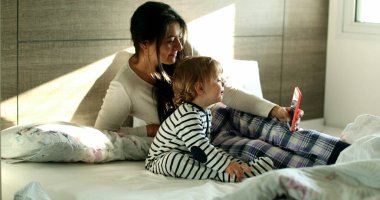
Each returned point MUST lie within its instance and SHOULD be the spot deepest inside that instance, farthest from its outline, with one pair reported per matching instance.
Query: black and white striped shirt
(187, 131)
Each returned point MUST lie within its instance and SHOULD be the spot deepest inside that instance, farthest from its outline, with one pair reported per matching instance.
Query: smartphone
(294, 112)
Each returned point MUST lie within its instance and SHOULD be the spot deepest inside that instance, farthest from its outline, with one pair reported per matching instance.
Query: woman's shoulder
(128, 78)
(122, 57)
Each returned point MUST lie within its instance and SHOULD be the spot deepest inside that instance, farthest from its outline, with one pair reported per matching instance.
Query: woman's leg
(248, 149)
(308, 147)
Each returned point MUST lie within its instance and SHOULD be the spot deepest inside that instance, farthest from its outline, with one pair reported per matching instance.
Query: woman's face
(171, 44)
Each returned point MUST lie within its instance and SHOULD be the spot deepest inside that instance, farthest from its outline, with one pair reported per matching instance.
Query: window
(367, 11)
(361, 16)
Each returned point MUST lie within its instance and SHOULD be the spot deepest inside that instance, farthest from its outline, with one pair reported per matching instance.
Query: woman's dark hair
(149, 23)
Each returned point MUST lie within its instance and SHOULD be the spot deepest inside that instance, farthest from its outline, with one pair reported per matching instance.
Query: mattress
(129, 180)
(113, 180)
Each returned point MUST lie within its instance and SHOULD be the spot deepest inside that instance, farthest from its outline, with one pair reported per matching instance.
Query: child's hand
(246, 168)
(236, 169)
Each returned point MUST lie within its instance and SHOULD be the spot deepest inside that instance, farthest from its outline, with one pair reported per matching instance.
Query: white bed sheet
(111, 181)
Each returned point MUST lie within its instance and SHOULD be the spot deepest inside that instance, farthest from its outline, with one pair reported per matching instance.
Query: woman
(142, 88)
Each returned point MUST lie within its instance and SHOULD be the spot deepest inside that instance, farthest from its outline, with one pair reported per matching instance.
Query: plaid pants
(248, 136)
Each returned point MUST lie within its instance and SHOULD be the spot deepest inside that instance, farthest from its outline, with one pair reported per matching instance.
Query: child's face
(214, 90)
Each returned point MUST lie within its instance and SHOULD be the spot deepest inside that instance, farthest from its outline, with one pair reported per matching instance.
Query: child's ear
(199, 88)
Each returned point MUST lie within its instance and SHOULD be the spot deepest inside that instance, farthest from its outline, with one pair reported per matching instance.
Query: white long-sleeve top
(129, 95)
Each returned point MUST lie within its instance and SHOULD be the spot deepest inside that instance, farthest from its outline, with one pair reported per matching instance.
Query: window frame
(350, 25)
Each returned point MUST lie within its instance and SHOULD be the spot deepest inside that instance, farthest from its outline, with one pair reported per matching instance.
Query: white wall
(352, 72)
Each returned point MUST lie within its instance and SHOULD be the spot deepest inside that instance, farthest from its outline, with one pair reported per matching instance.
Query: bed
(57, 161)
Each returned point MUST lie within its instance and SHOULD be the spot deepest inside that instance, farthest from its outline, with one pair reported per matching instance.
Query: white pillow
(243, 74)
(67, 142)
(364, 136)
(365, 148)
(363, 125)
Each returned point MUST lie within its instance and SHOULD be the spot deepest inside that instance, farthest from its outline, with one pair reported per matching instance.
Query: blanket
(352, 180)
(355, 175)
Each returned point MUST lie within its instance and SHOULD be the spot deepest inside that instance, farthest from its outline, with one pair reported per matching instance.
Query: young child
(181, 147)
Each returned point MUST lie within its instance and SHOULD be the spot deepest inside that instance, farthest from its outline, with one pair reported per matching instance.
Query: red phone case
(295, 104)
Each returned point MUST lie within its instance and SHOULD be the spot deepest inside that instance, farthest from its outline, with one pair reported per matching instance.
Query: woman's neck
(143, 69)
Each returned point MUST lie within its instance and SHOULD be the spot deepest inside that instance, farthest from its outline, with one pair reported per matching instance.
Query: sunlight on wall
(56, 100)
(243, 74)
(212, 34)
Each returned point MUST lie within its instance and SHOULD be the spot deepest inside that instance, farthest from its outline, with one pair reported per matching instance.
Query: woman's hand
(283, 114)
(151, 129)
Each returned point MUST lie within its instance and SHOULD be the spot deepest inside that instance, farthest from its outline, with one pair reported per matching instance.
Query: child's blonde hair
(192, 70)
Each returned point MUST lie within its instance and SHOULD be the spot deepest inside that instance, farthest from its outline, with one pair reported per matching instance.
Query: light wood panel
(75, 20)
(267, 52)
(54, 78)
(8, 63)
(304, 59)
(251, 17)
(259, 18)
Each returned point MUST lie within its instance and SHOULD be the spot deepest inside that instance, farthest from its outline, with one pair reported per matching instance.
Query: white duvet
(356, 174)
(354, 180)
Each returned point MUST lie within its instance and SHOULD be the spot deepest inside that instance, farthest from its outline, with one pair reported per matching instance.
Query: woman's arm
(115, 110)
(246, 102)
(250, 103)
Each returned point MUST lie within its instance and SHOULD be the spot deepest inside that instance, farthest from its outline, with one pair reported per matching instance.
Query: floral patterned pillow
(67, 142)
